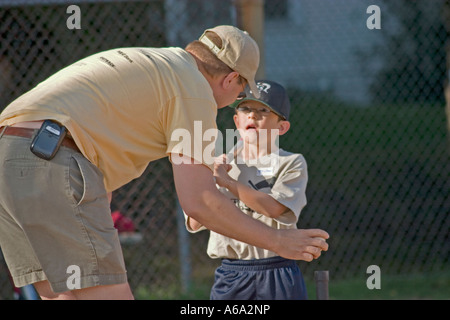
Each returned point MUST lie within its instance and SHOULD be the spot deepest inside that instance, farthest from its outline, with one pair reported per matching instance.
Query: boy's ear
(236, 120)
(283, 127)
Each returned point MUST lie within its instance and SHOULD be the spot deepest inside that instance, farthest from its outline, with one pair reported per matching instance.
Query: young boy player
(268, 184)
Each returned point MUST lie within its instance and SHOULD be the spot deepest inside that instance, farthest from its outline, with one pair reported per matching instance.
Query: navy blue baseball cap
(271, 94)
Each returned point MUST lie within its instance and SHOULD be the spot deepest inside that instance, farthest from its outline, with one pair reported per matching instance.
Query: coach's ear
(283, 127)
(229, 78)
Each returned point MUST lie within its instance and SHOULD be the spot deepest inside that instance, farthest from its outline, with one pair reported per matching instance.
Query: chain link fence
(368, 114)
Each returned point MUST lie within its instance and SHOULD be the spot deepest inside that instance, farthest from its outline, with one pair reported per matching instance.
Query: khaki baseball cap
(239, 51)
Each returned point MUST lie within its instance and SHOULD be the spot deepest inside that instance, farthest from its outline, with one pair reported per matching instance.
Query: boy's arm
(254, 199)
(201, 200)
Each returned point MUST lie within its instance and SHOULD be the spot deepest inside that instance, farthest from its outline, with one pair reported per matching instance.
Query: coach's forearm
(219, 214)
(222, 216)
(201, 200)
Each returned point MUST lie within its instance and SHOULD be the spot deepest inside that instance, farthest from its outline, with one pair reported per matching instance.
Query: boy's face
(255, 121)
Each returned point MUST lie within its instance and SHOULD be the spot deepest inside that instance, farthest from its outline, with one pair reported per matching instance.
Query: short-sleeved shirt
(122, 106)
(282, 175)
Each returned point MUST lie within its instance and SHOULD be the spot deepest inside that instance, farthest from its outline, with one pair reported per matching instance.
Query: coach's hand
(301, 244)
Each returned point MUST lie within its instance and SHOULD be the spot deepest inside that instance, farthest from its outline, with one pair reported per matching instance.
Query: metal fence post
(321, 279)
(184, 250)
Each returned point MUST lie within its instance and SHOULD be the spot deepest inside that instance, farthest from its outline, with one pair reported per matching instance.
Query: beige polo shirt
(281, 175)
(122, 107)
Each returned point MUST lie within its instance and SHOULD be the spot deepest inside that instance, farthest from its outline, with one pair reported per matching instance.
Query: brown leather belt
(29, 133)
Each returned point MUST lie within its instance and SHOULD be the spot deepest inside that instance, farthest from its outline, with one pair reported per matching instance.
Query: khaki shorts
(55, 219)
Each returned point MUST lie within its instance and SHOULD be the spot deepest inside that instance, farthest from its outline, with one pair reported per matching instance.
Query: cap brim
(235, 104)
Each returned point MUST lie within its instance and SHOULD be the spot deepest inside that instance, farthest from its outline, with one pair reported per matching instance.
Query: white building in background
(317, 45)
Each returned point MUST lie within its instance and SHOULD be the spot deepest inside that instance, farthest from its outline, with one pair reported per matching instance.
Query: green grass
(393, 287)
(400, 287)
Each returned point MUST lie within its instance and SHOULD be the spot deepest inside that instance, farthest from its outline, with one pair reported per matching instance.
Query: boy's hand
(221, 169)
(222, 159)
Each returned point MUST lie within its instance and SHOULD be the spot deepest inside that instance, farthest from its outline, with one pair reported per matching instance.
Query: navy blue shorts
(274, 278)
